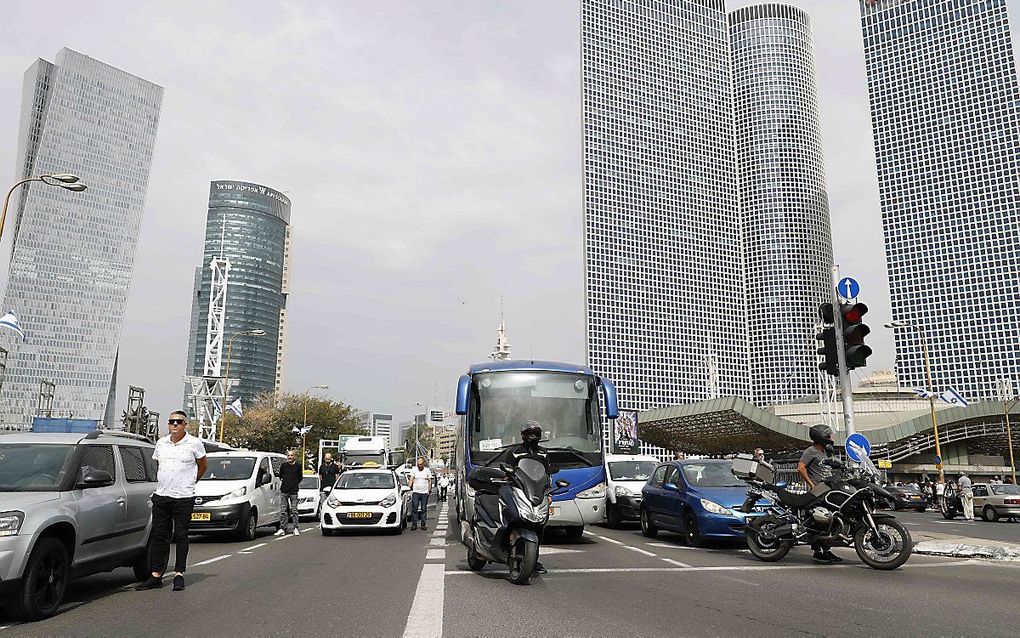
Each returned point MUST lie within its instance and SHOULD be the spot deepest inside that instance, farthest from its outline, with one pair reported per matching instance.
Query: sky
(432, 155)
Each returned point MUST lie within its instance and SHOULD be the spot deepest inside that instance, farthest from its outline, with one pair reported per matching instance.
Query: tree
(268, 423)
(422, 433)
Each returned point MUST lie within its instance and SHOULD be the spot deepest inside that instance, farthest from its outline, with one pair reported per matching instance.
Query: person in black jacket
(290, 479)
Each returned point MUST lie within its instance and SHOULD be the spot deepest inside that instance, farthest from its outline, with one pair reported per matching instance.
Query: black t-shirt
(328, 474)
(290, 477)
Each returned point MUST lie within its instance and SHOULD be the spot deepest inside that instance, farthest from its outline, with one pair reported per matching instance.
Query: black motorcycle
(511, 511)
(839, 511)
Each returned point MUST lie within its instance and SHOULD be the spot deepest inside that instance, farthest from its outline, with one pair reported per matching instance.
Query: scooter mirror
(562, 483)
(505, 467)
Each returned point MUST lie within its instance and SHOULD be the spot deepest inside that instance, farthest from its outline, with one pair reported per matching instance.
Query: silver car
(993, 501)
(70, 506)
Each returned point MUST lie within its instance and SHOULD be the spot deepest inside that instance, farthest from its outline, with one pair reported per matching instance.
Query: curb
(964, 550)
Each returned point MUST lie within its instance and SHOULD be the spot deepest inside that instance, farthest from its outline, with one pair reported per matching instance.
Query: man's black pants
(164, 511)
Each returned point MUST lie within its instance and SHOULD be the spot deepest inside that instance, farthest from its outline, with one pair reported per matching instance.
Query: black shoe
(414, 527)
(178, 583)
(822, 557)
(833, 558)
(423, 528)
(149, 583)
(540, 568)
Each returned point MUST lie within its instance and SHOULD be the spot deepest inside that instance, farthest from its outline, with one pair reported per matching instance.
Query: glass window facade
(73, 253)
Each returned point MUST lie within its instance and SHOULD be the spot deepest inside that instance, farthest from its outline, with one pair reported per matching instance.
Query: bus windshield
(565, 405)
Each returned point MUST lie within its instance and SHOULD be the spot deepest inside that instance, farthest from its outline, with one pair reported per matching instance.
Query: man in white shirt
(444, 485)
(966, 496)
(420, 479)
(181, 461)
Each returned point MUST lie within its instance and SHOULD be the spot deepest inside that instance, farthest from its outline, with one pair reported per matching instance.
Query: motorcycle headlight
(10, 523)
(598, 491)
(622, 491)
(332, 502)
(238, 493)
(715, 508)
(388, 501)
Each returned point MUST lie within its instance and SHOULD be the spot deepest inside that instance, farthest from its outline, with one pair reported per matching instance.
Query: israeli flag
(301, 431)
(235, 407)
(10, 320)
(924, 394)
(952, 397)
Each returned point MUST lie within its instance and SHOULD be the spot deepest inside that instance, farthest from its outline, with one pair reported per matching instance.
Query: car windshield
(365, 481)
(33, 467)
(1005, 490)
(711, 475)
(309, 483)
(229, 468)
(631, 470)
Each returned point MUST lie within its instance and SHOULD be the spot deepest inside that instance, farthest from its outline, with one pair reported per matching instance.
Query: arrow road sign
(848, 288)
(857, 447)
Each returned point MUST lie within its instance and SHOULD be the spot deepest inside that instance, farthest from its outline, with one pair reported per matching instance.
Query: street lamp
(304, 425)
(66, 181)
(931, 388)
(226, 377)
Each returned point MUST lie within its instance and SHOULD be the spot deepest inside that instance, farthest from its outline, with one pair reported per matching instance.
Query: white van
(239, 493)
(626, 474)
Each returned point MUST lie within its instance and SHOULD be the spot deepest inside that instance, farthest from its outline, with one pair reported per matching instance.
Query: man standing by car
(813, 471)
(420, 480)
(966, 496)
(328, 474)
(290, 479)
(180, 460)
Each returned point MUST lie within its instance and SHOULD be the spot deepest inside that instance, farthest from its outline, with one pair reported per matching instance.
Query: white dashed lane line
(638, 550)
(252, 548)
(212, 560)
(675, 562)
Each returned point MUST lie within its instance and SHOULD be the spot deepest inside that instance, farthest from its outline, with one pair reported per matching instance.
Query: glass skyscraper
(73, 253)
(783, 202)
(946, 117)
(663, 263)
(249, 224)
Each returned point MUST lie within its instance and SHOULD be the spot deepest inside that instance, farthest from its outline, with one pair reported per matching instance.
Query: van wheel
(143, 565)
(613, 519)
(247, 533)
(45, 581)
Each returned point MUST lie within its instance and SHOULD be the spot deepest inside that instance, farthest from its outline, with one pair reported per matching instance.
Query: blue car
(697, 498)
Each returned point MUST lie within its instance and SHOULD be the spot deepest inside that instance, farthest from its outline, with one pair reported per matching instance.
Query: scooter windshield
(532, 470)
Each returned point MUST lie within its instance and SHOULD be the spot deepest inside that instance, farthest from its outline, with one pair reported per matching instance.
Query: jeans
(442, 493)
(288, 511)
(419, 508)
(166, 510)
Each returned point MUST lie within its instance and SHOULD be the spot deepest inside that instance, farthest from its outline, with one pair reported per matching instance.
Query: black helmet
(821, 434)
(531, 433)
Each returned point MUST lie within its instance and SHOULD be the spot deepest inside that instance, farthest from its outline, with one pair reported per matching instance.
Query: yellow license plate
(201, 516)
(359, 515)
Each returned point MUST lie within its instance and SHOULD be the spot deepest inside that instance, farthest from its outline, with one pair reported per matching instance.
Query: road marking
(720, 568)
(426, 617)
(606, 538)
(284, 537)
(675, 562)
(437, 541)
(253, 547)
(439, 532)
(638, 550)
(212, 560)
(435, 554)
(548, 551)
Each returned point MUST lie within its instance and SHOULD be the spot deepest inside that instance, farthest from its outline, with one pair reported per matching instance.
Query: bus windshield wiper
(572, 451)
(502, 453)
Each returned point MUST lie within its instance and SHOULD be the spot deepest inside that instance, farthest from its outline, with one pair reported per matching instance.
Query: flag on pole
(924, 393)
(301, 431)
(10, 320)
(235, 407)
(216, 411)
(952, 397)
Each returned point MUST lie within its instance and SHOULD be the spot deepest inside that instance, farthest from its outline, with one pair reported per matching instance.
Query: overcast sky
(432, 154)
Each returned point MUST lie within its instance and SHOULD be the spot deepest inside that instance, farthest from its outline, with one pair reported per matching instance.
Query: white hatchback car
(308, 496)
(367, 498)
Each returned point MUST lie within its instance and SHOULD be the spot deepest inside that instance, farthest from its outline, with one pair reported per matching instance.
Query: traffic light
(827, 337)
(854, 331)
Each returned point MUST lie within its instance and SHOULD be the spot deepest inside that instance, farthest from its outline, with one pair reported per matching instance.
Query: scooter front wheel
(522, 560)
(475, 562)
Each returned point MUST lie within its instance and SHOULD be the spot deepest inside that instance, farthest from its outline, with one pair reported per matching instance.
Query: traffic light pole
(844, 374)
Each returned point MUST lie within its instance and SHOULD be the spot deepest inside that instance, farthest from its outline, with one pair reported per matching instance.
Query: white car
(308, 496)
(367, 498)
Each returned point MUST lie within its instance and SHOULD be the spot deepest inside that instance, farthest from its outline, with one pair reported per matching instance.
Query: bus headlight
(598, 491)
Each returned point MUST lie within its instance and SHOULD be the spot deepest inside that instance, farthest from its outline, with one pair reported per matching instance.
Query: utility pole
(844, 374)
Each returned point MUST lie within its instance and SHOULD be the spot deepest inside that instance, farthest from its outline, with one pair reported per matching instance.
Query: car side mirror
(404, 489)
(671, 487)
(266, 479)
(328, 488)
(96, 478)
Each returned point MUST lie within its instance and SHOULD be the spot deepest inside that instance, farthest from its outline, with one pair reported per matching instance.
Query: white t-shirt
(178, 465)
(420, 480)
(444, 482)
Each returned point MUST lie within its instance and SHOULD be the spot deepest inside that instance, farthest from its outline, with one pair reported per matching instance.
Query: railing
(951, 434)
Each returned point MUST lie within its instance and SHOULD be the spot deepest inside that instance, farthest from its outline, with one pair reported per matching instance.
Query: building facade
(784, 207)
(73, 253)
(664, 281)
(248, 224)
(378, 425)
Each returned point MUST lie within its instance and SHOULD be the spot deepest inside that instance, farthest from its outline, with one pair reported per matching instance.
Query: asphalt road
(608, 583)
(932, 521)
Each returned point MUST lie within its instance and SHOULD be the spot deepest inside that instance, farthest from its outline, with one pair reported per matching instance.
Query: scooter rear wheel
(474, 561)
(522, 560)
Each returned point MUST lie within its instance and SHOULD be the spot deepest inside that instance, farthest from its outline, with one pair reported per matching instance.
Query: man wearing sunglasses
(181, 460)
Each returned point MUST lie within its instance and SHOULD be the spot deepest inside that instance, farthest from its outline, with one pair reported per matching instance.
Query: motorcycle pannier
(746, 468)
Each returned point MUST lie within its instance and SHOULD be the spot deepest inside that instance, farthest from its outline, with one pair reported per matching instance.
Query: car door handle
(120, 500)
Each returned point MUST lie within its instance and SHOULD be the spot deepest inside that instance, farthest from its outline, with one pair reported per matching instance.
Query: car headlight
(622, 491)
(10, 523)
(598, 491)
(715, 508)
(238, 493)
(389, 500)
(332, 502)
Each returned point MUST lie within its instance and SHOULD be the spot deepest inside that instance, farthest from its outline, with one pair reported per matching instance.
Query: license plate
(201, 516)
(554, 511)
(359, 515)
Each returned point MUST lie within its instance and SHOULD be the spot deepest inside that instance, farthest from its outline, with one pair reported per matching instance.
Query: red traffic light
(854, 313)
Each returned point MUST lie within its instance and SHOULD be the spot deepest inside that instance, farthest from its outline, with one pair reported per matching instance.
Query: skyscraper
(944, 98)
(249, 225)
(664, 279)
(783, 203)
(73, 253)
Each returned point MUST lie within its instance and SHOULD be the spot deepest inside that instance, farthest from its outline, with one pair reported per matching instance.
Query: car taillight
(1012, 501)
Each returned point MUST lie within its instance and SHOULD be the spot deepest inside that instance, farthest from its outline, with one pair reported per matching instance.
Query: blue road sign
(938, 459)
(857, 447)
(848, 288)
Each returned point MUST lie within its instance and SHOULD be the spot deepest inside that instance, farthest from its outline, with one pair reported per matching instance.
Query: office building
(944, 98)
(664, 280)
(377, 425)
(784, 207)
(73, 253)
(249, 225)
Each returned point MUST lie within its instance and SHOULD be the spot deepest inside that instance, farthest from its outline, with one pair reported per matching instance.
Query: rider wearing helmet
(812, 471)
(531, 436)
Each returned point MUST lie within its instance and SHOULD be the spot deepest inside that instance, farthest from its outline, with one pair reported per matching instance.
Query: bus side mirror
(463, 384)
(612, 405)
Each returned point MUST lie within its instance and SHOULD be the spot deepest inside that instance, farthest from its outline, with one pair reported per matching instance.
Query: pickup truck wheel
(45, 582)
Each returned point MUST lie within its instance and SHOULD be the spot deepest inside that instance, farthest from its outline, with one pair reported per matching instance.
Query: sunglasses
(176, 421)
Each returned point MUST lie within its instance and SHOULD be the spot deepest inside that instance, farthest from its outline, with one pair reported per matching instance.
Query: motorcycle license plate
(359, 515)
(201, 516)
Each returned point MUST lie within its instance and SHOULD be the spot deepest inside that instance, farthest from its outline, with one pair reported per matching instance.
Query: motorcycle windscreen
(533, 479)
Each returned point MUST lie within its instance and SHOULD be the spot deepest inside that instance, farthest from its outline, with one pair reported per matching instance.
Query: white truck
(364, 451)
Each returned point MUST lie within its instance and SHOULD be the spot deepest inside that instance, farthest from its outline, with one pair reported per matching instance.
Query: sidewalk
(965, 547)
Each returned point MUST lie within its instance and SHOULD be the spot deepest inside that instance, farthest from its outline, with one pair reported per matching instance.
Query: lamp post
(1008, 402)
(304, 424)
(226, 376)
(66, 181)
(931, 388)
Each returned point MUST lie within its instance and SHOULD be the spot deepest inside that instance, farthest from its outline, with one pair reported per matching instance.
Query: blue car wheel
(692, 532)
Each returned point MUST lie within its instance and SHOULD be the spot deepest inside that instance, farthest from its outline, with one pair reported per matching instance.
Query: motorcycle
(511, 511)
(838, 511)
